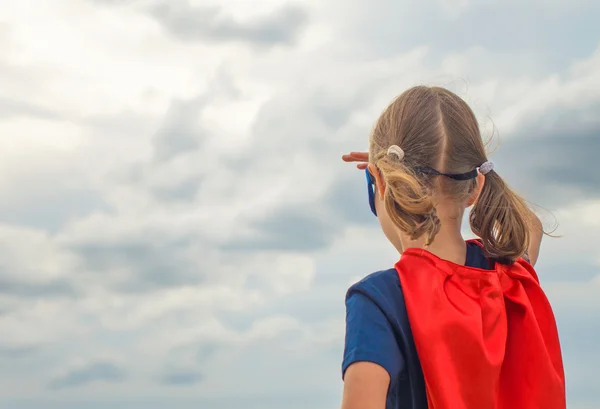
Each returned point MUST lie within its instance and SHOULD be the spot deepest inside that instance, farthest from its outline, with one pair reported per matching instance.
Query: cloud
(54, 288)
(578, 299)
(16, 352)
(47, 274)
(143, 262)
(96, 372)
(178, 134)
(298, 229)
(385, 28)
(555, 139)
(212, 24)
(553, 177)
(62, 204)
(12, 107)
(185, 191)
(181, 378)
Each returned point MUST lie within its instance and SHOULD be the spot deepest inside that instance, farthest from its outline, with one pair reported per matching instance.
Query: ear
(379, 182)
(478, 189)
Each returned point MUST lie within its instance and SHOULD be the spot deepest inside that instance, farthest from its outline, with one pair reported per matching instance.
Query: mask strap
(484, 169)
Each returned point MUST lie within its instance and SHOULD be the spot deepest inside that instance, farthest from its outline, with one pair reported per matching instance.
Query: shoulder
(379, 284)
(376, 322)
(381, 289)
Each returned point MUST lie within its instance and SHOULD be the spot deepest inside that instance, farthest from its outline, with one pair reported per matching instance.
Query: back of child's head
(436, 129)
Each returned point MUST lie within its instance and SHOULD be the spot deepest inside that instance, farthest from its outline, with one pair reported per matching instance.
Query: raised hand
(362, 157)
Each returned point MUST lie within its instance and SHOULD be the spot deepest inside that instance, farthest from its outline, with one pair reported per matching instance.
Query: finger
(362, 166)
(349, 158)
(356, 157)
(364, 156)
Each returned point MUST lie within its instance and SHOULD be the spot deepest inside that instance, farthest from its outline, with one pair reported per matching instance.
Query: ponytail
(502, 220)
(408, 201)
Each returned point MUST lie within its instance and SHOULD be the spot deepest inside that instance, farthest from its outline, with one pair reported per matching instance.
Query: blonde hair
(436, 129)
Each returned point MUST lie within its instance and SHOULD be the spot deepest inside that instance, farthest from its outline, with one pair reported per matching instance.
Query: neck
(448, 244)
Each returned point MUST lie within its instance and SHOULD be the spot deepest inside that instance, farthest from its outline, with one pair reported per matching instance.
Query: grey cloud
(568, 267)
(181, 378)
(97, 372)
(320, 116)
(319, 128)
(552, 159)
(559, 162)
(314, 225)
(53, 289)
(579, 332)
(287, 229)
(49, 206)
(207, 351)
(170, 190)
(211, 24)
(184, 191)
(17, 352)
(326, 302)
(560, 33)
(203, 351)
(179, 132)
(348, 197)
(150, 260)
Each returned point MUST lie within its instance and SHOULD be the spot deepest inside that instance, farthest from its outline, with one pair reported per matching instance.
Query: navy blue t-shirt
(377, 330)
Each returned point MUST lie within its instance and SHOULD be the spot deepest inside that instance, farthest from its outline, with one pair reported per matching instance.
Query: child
(455, 325)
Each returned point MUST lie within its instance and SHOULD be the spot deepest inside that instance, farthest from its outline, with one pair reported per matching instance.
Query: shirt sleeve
(370, 336)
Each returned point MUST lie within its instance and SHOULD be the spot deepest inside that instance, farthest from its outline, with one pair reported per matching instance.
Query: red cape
(486, 339)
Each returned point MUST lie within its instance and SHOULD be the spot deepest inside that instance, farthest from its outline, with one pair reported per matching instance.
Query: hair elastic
(396, 151)
(486, 167)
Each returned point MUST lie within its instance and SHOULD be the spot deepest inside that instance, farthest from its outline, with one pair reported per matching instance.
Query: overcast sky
(176, 227)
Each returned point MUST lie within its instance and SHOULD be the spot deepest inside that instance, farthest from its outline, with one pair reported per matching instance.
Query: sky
(176, 226)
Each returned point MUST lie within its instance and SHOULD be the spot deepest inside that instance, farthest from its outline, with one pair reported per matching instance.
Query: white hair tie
(396, 151)
(486, 168)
